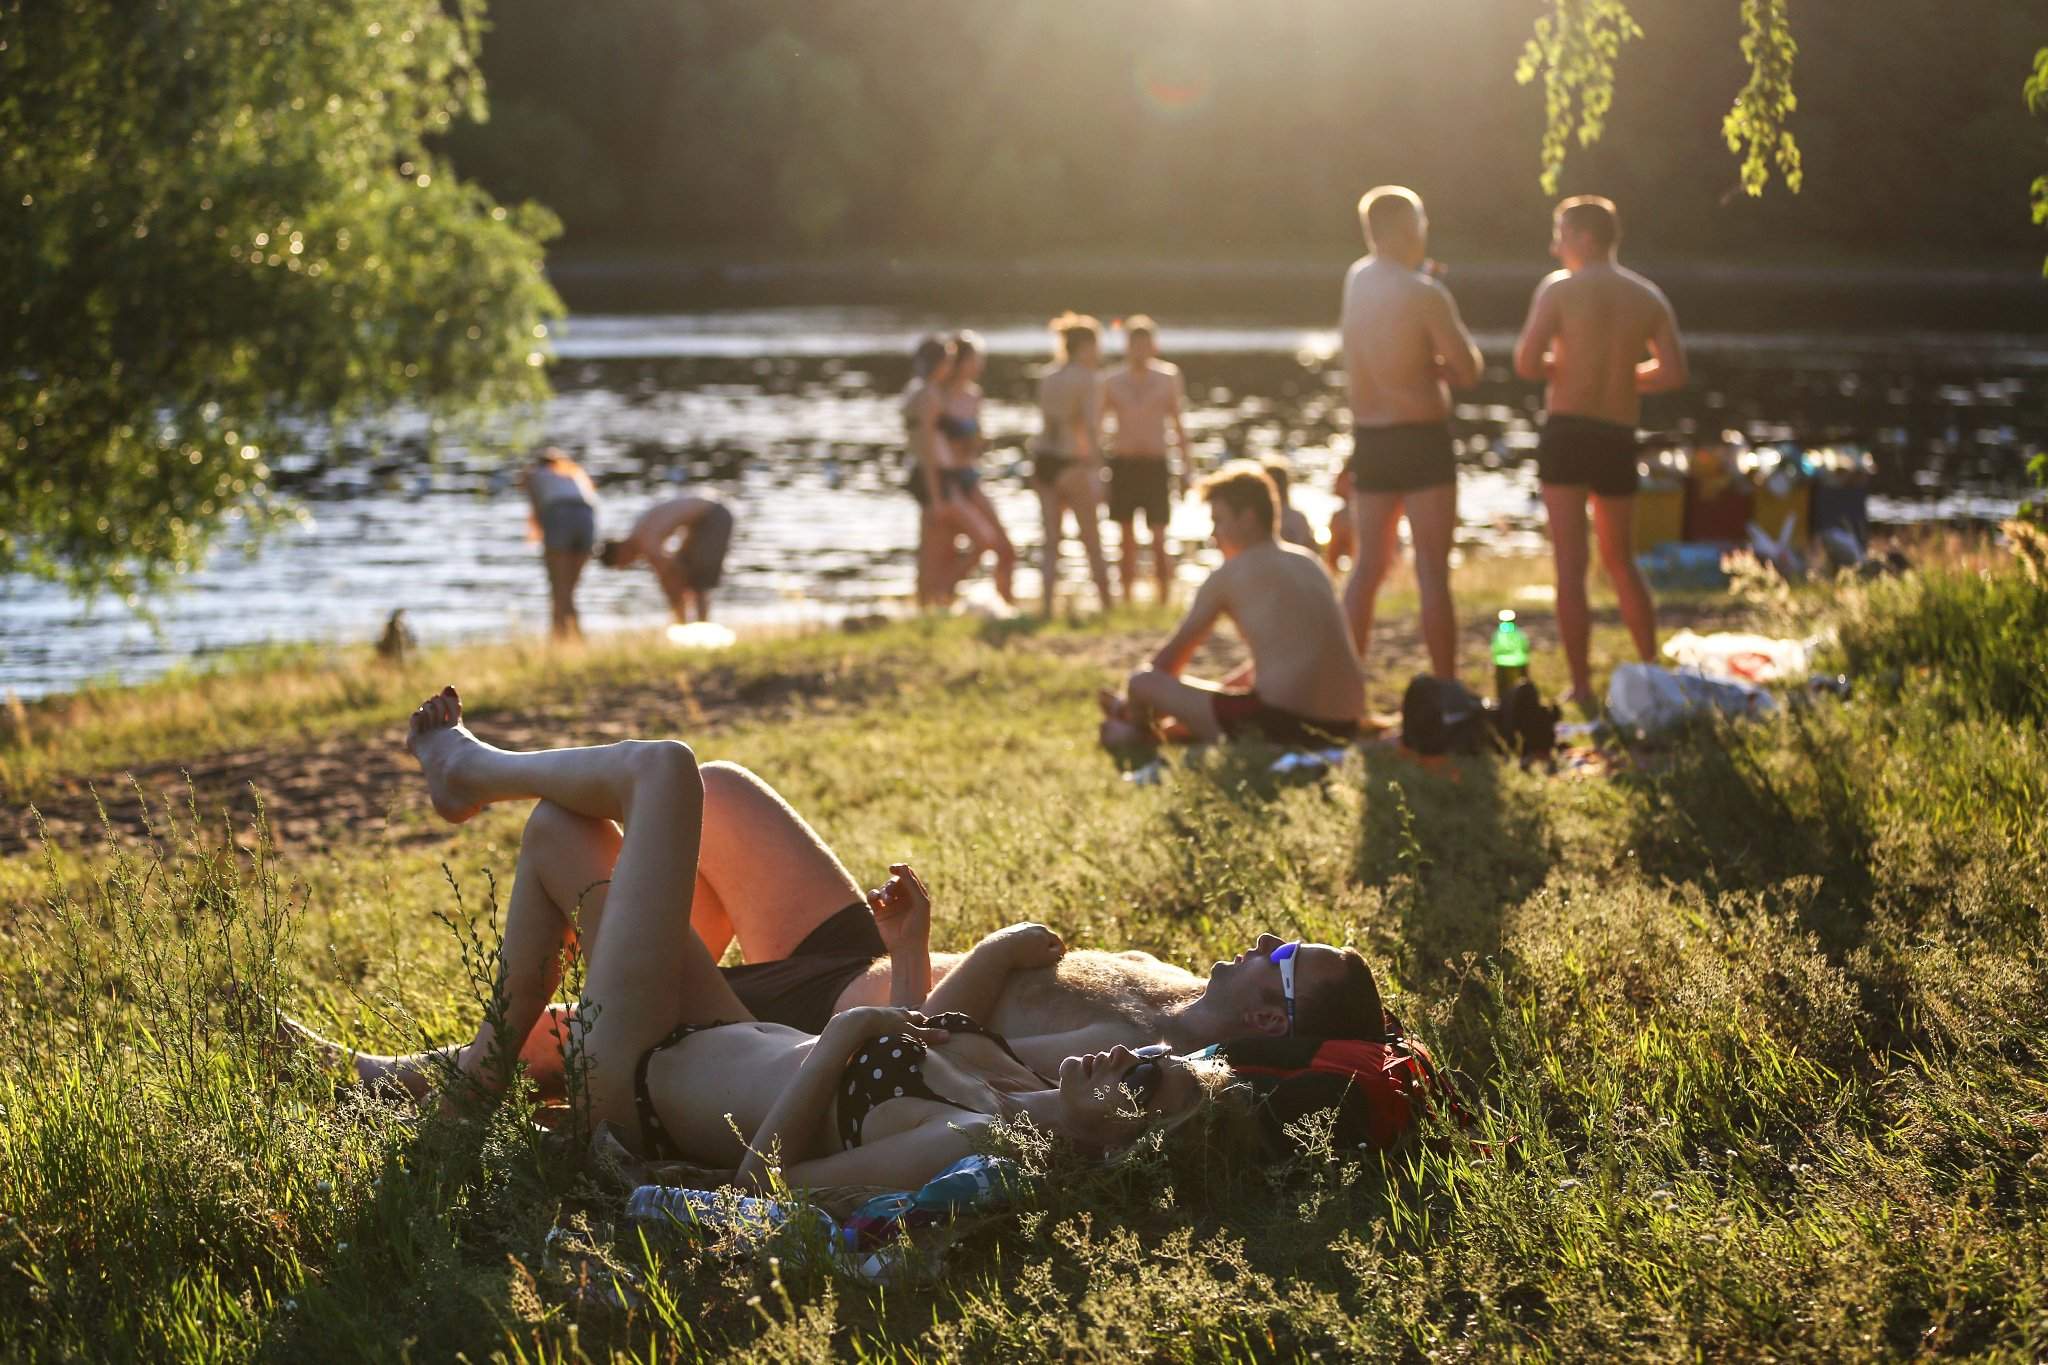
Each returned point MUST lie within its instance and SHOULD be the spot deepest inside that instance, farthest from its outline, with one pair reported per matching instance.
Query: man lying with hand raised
(1303, 687)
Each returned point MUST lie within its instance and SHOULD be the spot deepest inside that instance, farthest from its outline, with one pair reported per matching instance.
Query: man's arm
(1460, 354)
(972, 987)
(1177, 407)
(1532, 349)
(1666, 369)
(1194, 628)
(1088, 433)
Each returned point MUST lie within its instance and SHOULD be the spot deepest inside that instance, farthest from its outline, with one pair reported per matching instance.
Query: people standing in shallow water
(1147, 399)
(1066, 467)
(694, 566)
(1600, 337)
(1405, 348)
(562, 516)
(1303, 686)
(967, 505)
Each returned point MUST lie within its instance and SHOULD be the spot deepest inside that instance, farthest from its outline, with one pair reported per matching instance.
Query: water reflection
(790, 417)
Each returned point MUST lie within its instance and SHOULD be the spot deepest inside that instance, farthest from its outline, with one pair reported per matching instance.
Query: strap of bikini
(955, 1022)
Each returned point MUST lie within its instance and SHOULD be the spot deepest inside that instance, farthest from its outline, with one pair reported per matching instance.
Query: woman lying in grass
(887, 1095)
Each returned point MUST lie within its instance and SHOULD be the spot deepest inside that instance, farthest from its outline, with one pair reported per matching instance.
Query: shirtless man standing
(1146, 397)
(1066, 466)
(1303, 687)
(688, 573)
(1405, 348)
(1589, 327)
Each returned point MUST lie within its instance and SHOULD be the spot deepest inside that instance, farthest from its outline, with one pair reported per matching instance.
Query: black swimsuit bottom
(889, 1068)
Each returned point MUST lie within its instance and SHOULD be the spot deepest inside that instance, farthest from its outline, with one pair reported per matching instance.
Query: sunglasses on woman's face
(1143, 1080)
(1283, 957)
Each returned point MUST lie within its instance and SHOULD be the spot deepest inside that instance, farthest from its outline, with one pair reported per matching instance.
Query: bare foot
(437, 738)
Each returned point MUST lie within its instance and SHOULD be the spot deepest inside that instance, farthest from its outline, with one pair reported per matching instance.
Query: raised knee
(549, 821)
(666, 758)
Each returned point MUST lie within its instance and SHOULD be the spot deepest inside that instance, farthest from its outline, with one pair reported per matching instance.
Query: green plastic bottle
(1510, 655)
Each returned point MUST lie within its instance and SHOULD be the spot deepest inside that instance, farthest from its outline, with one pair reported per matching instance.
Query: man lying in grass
(814, 947)
(885, 1095)
(1304, 686)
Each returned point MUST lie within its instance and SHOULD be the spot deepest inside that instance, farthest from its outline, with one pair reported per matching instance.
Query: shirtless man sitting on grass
(814, 946)
(1304, 686)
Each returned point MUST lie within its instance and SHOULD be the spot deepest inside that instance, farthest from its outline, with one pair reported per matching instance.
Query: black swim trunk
(703, 553)
(956, 483)
(802, 990)
(1047, 467)
(1247, 715)
(1403, 458)
(567, 526)
(1586, 450)
(1140, 483)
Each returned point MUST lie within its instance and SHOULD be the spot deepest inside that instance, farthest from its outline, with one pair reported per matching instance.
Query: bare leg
(1565, 506)
(1127, 557)
(1614, 527)
(1162, 560)
(647, 971)
(1432, 520)
(1053, 513)
(1189, 701)
(564, 569)
(1077, 488)
(999, 541)
(1375, 523)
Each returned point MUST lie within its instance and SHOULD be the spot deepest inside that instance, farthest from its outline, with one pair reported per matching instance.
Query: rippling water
(789, 416)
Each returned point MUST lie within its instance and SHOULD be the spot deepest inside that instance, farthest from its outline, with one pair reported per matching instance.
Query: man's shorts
(1585, 450)
(1403, 458)
(1247, 715)
(1140, 483)
(703, 553)
(567, 527)
(802, 990)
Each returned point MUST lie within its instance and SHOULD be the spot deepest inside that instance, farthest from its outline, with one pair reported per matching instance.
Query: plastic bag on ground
(1745, 658)
(1643, 699)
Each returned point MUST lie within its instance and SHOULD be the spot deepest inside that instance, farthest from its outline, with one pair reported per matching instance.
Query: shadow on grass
(1722, 814)
(1452, 850)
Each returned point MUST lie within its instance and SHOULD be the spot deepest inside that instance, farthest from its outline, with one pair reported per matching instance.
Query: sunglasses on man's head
(1283, 957)
(1142, 1081)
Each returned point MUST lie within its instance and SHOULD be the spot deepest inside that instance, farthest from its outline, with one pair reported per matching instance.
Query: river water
(789, 416)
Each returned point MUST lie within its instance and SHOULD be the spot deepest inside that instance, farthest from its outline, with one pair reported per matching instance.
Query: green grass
(1764, 1016)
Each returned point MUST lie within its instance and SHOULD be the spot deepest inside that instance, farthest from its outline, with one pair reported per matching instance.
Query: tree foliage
(224, 223)
(2037, 100)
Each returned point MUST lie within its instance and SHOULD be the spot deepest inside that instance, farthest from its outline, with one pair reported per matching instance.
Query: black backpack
(1443, 716)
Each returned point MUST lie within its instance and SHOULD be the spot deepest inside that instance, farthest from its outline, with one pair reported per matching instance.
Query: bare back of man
(1600, 336)
(1304, 686)
(1404, 348)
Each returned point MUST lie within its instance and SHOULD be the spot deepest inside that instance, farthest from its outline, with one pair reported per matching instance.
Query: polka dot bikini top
(892, 1067)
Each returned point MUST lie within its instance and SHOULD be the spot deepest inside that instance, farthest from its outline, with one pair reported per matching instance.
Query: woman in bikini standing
(959, 424)
(1067, 463)
(885, 1096)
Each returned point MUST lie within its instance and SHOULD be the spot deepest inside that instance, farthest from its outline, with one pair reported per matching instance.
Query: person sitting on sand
(688, 572)
(562, 516)
(1303, 686)
(1294, 527)
(814, 946)
(885, 1095)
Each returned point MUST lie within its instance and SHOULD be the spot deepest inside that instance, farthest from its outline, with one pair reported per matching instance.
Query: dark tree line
(982, 127)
